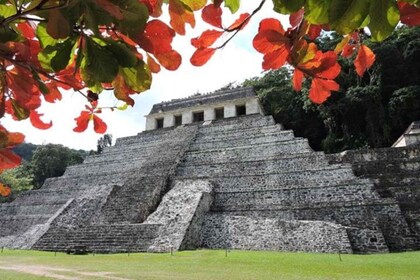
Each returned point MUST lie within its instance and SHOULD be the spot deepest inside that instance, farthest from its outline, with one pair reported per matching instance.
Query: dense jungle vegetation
(368, 112)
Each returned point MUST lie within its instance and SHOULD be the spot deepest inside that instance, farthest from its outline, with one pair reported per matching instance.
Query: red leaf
(5, 190)
(153, 65)
(36, 121)
(180, 16)
(348, 50)
(122, 91)
(212, 15)
(364, 60)
(154, 7)
(271, 24)
(241, 22)
(329, 67)
(82, 121)
(297, 79)
(296, 18)
(409, 14)
(157, 37)
(314, 31)
(321, 90)
(111, 8)
(9, 140)
(270, 36)
(275, 59)
(8, 159)
(24, 89)
(99, 125)
(27, 29)
(201, 56)
(53, 94)
(170, 60)
(206, 39)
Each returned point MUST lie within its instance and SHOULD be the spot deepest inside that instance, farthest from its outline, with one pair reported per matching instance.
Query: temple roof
(202, 99)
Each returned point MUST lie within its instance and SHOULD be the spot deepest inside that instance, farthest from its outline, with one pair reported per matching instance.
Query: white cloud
(235, 63)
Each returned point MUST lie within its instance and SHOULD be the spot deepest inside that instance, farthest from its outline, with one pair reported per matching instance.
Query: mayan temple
(213, 171)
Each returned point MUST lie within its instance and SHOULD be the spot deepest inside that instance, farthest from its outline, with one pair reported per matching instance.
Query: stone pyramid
(212, 171)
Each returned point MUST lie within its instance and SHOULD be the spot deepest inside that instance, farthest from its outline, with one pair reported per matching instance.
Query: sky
(235, 63)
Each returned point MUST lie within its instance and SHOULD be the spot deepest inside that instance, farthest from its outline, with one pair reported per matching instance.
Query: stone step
(34, 209)
(244, 132)
(142, 169)
(83, 183)
(239, 168)
(390, 166)
(100, 238)
(325, 175)
(136, 156)
(251, 140)
(273, 149)
(156, 135)
(381, 154)
(346, 213)
(293, 161)
(291, 197)
(314, 179)
(137, 151)
(244, 154)
(236, 124)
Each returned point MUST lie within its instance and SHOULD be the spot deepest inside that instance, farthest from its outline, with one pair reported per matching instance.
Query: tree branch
(240, 26)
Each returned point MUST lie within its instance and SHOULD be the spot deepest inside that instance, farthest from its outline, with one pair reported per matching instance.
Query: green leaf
(346, 16)
(123, 107)
(44, 38)
(316, 11)
(194, 5)
(233, 5)
(95, 16)
(287, 7)
(7, 10)
(62, 55)
(122, 53)
(384, 17)
(139, 77)
(7, 34)
(100, 64)
(135, 15)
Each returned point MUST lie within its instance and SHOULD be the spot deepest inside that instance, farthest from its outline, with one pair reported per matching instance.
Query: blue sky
(235, 63)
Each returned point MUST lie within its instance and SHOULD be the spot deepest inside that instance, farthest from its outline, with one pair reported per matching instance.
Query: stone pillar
(252, 107)
(209, 114)
(150, 123)
(187, 117)
(230, 110)
(168, 121)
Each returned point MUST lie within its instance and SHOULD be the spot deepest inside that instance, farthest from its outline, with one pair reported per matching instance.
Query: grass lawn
(208, 264)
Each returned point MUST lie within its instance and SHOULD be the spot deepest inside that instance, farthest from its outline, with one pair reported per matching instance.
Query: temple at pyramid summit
(213, 171)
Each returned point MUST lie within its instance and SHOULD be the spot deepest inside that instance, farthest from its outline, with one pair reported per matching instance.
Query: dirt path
(58, 273)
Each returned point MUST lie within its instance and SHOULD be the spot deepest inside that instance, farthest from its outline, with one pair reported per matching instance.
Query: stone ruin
(212, 171)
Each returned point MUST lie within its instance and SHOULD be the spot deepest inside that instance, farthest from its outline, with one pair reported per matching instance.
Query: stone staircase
(111, 194)
(395, 173)
(273, 182)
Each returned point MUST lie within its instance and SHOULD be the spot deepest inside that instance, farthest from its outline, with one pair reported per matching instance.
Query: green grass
(209, 264)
